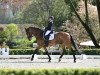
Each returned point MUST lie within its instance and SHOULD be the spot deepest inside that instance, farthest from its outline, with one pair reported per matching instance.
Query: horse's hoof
(59, 60)
(49, 61)
(31, 59)
(74, 61)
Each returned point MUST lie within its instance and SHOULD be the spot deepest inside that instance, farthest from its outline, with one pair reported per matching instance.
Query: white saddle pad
(51, 36)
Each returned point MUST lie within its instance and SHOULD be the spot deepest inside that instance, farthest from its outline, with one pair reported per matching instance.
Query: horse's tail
(83, 56)
(75, 44)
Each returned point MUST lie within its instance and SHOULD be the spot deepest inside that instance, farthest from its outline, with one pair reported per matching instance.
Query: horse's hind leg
(61, 55)
(35, 52)
(74, 55)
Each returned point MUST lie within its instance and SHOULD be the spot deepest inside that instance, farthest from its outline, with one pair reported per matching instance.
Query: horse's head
(32, 31)
(28, 33)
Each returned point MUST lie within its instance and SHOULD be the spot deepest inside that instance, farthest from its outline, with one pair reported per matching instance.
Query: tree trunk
(86, 11)
(87, 28)
(98, 9)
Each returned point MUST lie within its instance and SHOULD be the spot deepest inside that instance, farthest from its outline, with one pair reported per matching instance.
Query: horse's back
(63, 39)
(62, 34)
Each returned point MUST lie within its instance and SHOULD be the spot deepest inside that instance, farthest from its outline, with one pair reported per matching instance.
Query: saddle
(49, 34)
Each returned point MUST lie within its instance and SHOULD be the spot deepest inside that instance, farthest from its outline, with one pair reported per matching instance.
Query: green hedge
(50, 72)
(22, 51)
(30, 51)
(91, 51)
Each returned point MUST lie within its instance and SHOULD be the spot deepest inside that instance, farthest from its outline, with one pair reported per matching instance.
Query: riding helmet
(52, 17)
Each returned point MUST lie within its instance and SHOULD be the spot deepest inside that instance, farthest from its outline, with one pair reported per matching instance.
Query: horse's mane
(36, 28)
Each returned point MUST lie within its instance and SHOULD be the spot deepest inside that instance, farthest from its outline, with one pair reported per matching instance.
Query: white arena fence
(4, 51)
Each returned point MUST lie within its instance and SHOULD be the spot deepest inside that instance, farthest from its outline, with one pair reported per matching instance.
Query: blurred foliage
(4, 36)
(93, 2)
(9, 8)
(75, 2)
(69, 71)
(9, 34)
(24, 43)
(12, 30)
(74, 26)
(39, 11)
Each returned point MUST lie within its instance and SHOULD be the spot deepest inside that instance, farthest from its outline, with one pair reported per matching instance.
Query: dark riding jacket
(49, 27)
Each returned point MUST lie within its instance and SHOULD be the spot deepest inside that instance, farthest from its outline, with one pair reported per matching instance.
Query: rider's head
(51, 18)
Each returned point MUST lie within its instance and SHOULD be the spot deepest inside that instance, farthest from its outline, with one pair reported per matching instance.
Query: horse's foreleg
(74, 55)
(61, 55)
(48, 55)
(35, 52)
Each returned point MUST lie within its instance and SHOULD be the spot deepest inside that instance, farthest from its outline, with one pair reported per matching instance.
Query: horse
(64, 39)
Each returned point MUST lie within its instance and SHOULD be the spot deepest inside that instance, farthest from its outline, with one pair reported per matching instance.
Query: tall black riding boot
(47, 40)
(46, 43)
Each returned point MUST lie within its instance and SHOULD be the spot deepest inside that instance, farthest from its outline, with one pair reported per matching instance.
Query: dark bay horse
(65, 40)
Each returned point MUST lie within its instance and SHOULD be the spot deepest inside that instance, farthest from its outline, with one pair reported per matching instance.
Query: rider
(48, 30)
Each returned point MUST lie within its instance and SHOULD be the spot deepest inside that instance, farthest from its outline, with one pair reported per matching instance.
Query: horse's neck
(38, 38)
(38, 34)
